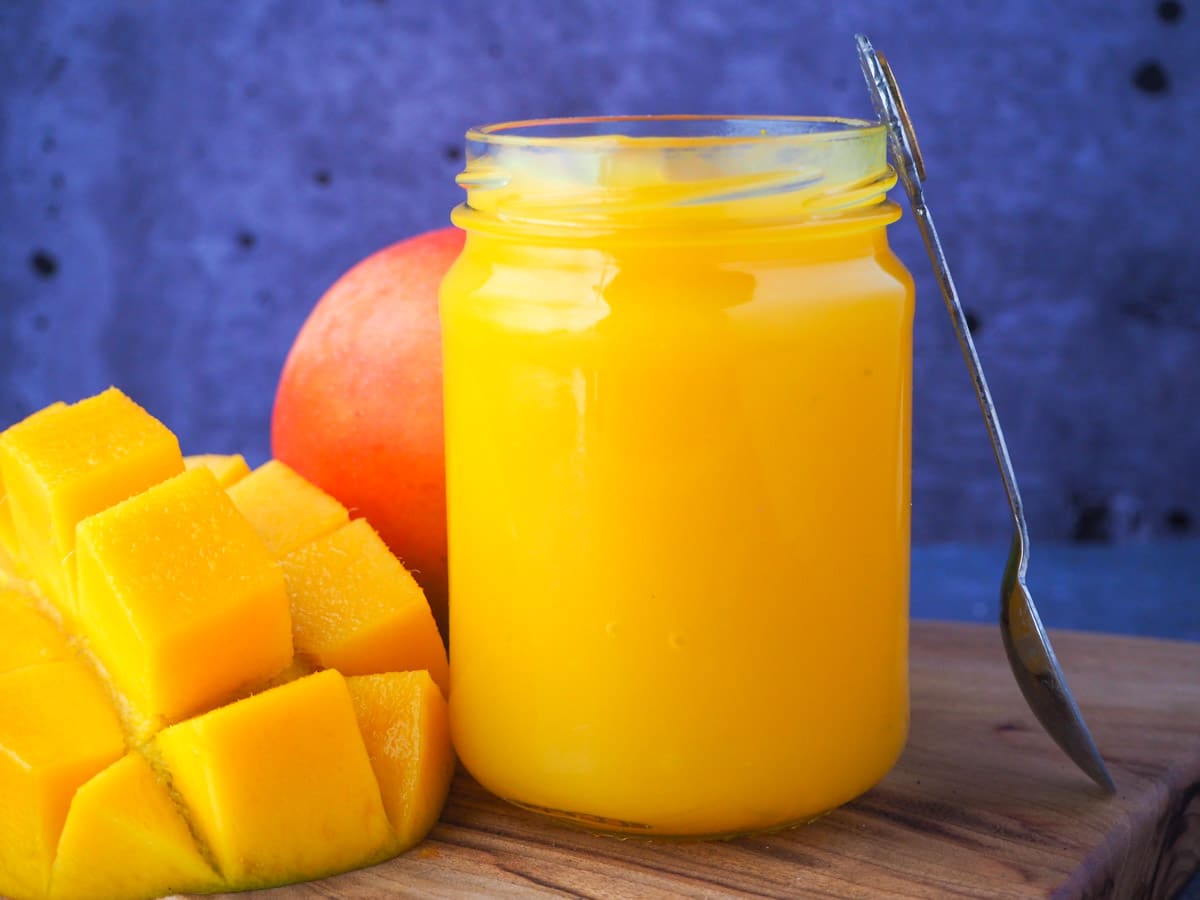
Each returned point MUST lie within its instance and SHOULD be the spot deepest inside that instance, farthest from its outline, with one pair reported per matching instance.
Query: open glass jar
(677, 357)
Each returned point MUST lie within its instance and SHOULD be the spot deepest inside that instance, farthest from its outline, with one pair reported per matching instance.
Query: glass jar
(677, 357)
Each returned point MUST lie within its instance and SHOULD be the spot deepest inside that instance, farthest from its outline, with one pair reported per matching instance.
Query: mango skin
(359, 405)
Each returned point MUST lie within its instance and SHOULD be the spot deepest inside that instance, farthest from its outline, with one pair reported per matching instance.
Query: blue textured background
(180, 181)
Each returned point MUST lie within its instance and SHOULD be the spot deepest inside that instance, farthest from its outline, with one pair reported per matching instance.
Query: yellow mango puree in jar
(677, 362)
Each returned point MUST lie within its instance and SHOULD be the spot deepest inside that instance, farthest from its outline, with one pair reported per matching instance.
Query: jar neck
(675, 179)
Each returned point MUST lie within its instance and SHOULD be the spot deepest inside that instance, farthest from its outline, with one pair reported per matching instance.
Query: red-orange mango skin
(359, 407)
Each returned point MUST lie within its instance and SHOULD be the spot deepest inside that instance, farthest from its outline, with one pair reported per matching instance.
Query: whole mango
(358, 410)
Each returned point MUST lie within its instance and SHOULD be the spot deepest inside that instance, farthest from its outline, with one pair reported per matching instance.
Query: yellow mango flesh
(279, 784)
(57, 729)
(29, 635)
(63, 464)
(180, 600)
(9, 546)
(124, 836)
(356, 609)
(286, 510)
(11, 562)
(406, 727)
(229, 468)
(12, 571)
(177, 609)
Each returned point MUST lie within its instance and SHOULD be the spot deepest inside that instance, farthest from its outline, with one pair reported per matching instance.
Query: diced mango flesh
(63, 464)
(11, 561)
(12, 570)
(404, 722)
(238, 769)
(229, 468)
(27, 635)
(9, 545)
(57, 729)
(174, 600)
(179, 598)
(125, 837)
(286, 510)
(356, 609)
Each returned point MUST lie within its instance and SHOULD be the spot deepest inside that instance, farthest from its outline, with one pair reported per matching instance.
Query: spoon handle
(1026, 643)
(889, 106)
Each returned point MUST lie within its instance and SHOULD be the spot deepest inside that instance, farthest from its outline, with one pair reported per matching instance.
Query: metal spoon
(1025, 641)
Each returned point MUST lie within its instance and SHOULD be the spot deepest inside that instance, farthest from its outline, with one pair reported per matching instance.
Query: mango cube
(12, 564)
(229, 469)
(285, 509)
(57, 729)
(65, 463)
(29, 636)
(11, 558)
(180, 600)
(279, 785)
(10, 547)
(355, 608)
(124, 837)
(405, 725)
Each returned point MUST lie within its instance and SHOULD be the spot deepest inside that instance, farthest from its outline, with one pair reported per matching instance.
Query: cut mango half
(210, 679)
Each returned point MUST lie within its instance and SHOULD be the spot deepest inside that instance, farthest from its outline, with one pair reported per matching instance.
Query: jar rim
(650, 131)
(674, 174)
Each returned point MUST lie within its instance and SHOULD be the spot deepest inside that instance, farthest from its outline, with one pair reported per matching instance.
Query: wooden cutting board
(982, 804)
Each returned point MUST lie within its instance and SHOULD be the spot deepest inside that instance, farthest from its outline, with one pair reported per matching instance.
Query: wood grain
(982, 804)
